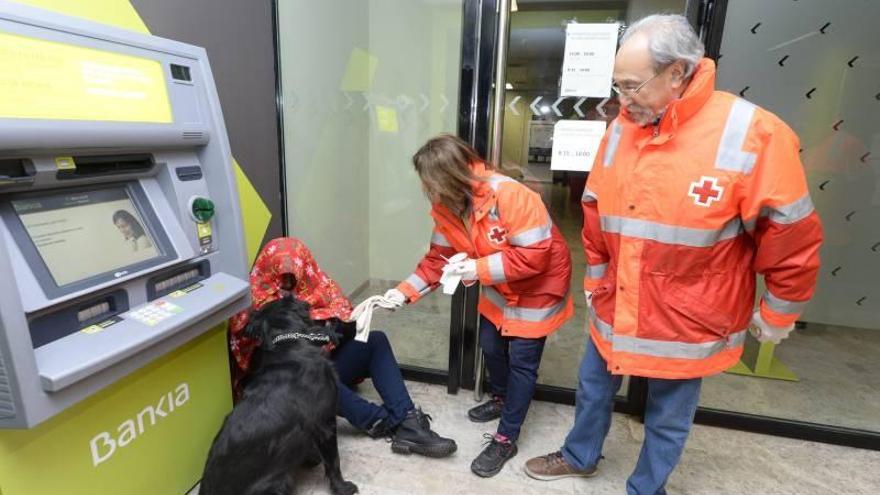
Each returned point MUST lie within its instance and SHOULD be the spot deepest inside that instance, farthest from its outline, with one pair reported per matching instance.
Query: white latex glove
(396, 297)
(362, 314)
(466, 269)
(766, 332)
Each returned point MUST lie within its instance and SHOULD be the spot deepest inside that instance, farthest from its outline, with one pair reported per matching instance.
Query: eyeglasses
(629, 92)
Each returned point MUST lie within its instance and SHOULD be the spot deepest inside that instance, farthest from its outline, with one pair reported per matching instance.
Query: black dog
(287, 410)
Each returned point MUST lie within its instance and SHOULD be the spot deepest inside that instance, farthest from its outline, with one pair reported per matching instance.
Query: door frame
(480, 36)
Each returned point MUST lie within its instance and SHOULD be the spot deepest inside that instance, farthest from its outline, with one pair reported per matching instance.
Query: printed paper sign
(575, 143)
(589, 59)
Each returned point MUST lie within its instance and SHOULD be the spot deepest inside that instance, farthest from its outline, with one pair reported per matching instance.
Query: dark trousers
(374, 359)
(512, 363)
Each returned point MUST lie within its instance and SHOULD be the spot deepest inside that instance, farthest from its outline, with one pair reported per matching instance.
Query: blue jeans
(668, 419)
(374, 359)
(512, 363)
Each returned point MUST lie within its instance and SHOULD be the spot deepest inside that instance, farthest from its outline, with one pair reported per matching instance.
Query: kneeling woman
(522, 262)
(285, 267)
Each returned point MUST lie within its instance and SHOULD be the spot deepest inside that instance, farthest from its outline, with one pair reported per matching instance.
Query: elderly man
(694, 191)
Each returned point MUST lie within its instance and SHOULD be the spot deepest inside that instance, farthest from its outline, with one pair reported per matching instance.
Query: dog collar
(311, 337)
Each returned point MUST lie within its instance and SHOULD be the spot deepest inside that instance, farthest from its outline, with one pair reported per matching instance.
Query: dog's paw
(344, 488)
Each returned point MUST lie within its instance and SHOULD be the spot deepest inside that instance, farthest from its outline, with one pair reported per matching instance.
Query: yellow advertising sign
(49, 80)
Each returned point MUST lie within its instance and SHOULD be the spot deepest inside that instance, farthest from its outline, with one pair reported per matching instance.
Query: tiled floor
(716, 461)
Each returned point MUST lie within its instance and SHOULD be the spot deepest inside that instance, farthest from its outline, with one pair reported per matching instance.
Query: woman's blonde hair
(444, 166)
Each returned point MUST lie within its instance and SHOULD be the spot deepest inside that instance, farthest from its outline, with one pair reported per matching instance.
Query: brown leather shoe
(553, 467)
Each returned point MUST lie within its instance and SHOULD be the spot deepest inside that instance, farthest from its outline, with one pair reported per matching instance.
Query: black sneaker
(414, 435)
(490, 461)
(487, 411)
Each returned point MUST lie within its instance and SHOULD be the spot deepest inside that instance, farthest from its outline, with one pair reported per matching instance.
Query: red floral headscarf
(282, 256)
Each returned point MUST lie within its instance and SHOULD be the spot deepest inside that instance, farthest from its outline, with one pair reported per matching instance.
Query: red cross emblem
(705, 191)
(497, 235)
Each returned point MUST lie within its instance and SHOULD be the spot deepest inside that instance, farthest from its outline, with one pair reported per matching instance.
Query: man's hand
(766, 332)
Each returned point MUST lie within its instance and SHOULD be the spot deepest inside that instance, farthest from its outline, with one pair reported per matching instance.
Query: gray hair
(670, 38)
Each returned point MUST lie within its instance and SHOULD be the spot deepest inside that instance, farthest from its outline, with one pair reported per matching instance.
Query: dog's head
(286, 322)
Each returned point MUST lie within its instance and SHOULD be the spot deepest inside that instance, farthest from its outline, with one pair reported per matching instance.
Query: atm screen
(82, 235)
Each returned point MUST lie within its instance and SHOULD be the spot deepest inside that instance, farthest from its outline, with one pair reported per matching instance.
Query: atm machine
(120, 230)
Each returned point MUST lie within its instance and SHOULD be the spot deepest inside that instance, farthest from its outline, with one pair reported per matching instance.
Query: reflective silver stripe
(596, 271)
(679, 350)
(664, 348)
(532, 315)
(416, 281)
(730, 154)
(786, 214)
(790, 213)
(533, 235)
(611, 145)
(439, 239)
(783, 306)
(495, 180)
(494, 296)
(496, 268)
(589, 196)
(605, 329)
(670, 234)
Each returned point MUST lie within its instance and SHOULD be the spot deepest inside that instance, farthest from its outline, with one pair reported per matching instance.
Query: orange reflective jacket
(523, 262)
(678, 218)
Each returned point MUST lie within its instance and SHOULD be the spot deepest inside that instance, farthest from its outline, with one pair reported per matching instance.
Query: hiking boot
(490, 461)
(414, 435)
(380, 429)
(554, 467)
(487, 411)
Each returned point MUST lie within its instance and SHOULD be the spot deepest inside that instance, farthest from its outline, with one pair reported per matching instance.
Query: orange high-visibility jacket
(679, 217)
(523, 262)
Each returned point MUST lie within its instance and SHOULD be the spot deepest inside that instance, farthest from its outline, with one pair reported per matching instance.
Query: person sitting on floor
(285, 267)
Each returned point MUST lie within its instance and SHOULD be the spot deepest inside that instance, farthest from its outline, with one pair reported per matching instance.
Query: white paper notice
(575, 143)
(540, 134)
(589, 59)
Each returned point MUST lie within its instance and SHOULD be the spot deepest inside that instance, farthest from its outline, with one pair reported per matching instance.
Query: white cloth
(449, 279)
(766, 332)
(588, 296)
(362, 314)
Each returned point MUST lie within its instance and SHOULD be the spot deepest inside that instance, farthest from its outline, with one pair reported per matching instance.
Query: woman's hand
(466, 269)
(396, 297)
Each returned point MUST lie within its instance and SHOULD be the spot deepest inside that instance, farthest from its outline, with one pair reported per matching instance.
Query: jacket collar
(695, 96)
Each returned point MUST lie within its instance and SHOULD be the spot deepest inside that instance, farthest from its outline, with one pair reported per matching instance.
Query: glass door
(363, 84)
(813, 64)
(532, 105)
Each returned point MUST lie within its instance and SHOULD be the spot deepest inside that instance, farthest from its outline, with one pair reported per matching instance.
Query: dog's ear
(257, 326)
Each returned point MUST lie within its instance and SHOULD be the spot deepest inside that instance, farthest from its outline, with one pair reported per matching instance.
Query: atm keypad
(154, 313)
